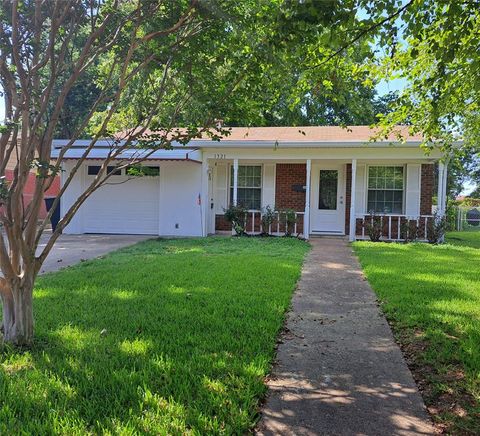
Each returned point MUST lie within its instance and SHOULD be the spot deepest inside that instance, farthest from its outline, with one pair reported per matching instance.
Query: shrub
(290, 220)
(409, 230)
(268, 216)
(373, 227)
(236, 216)
(436, 229)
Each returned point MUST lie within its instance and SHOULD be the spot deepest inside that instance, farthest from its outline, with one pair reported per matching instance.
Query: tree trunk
(18, 315)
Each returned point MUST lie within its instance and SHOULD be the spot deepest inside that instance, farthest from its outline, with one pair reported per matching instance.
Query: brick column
(426, 189)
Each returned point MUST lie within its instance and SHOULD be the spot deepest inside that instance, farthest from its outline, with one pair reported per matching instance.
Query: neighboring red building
(29, 189)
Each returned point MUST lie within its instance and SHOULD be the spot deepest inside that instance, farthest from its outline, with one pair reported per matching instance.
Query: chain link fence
(466, 218)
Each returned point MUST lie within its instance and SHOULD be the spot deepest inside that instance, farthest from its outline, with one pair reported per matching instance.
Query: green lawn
(191, 327)
(431, 296)
(466, 239)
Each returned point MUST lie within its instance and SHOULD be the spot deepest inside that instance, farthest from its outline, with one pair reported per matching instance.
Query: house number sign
(220, 156)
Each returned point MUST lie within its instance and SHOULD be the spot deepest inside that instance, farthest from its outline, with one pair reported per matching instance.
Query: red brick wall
(286, 197)
(30, 189)
(348, 197)
(288, 175)
(221, 223)
(427, 189)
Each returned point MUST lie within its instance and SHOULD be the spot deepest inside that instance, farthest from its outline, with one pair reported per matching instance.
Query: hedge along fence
(466, 202)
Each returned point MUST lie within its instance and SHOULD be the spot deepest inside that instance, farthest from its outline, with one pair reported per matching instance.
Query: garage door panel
(131, 207)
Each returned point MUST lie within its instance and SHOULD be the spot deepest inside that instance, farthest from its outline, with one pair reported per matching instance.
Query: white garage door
(125, 208)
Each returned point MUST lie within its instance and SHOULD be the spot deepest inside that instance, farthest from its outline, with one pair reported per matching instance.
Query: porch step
(340, 237)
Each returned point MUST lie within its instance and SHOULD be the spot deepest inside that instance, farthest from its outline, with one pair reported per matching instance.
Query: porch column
(353, 219)
(442, 191)
(442, 188)
(306, 216)
(235, 181)
(203, 196)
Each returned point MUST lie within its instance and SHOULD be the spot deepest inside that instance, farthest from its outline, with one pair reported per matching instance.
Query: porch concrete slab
(72, 249)
(339, 370)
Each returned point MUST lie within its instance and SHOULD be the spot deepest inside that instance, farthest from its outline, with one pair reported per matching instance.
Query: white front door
(327, 203)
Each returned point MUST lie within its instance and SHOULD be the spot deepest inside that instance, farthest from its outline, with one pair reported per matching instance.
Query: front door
(327, 206)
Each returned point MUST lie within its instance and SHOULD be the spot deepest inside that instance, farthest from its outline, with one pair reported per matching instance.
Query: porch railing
(396, 227)
(253, 223)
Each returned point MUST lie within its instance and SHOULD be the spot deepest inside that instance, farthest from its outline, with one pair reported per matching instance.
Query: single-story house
(331, 177)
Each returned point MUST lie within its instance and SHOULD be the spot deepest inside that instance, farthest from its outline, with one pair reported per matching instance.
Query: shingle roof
(316, 133)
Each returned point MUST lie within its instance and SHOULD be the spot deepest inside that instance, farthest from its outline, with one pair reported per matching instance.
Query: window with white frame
(249, 191)
(385, 189)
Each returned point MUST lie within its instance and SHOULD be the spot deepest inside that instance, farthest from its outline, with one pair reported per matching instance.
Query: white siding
(180, 185)
(360, 193)
(412, 191)
(268, 189)
(74, 190)
(166, 205)
(221, 183)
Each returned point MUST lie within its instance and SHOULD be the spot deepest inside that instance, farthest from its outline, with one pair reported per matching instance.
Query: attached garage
(166, 202)
(123, 206)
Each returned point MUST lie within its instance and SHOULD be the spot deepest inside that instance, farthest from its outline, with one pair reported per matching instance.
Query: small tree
(151, 62)
(154, 65)
(45, 49)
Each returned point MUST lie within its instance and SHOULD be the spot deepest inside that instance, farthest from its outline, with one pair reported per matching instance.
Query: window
(93, 170)
(249, 193)
(328, 190)
(385, 189)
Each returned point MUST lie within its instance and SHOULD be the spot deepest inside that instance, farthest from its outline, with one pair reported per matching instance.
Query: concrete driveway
(71, 249)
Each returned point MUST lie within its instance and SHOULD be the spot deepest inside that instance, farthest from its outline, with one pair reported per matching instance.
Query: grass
(431, 296)
(465, 239)
(189, 331)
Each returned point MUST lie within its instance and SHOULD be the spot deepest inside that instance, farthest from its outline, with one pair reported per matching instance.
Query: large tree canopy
(266, 50)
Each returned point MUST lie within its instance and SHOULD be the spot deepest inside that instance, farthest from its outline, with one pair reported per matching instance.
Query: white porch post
(442, 191)
(353, 219)
(204, 196)
(235, 181)
(306, 216)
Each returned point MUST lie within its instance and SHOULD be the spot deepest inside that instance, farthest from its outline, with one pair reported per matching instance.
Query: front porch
(326, 196)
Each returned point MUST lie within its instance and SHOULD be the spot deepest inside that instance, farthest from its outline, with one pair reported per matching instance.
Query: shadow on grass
(162, 337)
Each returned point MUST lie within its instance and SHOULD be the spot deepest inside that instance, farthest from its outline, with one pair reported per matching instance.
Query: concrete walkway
(339, 371)
(71, 249)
